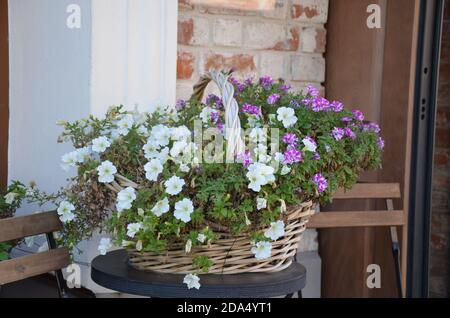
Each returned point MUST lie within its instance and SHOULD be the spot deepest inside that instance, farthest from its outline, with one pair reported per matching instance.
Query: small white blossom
(174, 185)
(285, 170)
(260, 174)
(201, 238)
(100, 144)
(150, 149)
(261, 203)
(106, 172)
(69, 160)
(184, 167)
(178, 148)
(10, 197)
(275, 231)
(125, 199)
(143, 131)
(161, 134)
(256, 180)
(141, 212)
(205, 115)
(104, 246)
(188, 246)
(133, 228)
(309, 145)
(287, 116)
(139, 245)
(192, 281)
(65, 211)
(183, 210)
(83, 154)
(262, 250)
(161, 207)
(125, 124)
(152, 169)
(181, 133)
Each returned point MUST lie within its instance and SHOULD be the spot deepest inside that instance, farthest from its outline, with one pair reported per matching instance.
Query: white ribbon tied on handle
(235, 145)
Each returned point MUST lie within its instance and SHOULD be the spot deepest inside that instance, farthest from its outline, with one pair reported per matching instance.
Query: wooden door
(372, 70)
(4, 92)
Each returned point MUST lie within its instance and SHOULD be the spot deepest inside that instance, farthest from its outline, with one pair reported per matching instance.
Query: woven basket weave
(230, 254)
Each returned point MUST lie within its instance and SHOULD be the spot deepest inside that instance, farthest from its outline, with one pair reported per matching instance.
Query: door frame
(4, 93)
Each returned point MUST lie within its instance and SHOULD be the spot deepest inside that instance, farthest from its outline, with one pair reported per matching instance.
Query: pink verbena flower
(320, 182)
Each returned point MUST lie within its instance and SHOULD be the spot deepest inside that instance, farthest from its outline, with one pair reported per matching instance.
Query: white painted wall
(124, 53)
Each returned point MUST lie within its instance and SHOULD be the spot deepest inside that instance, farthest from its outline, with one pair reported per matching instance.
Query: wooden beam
(370, 191)
(33, 265)
(29, 225)
(356, 219)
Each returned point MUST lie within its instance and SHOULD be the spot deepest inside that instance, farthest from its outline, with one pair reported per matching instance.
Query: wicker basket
(230, 254)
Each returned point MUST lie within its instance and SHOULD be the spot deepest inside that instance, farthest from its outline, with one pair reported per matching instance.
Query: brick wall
(287, 41)
(440, 227)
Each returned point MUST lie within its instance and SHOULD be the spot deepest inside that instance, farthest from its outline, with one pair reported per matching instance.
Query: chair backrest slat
(356, 219)
(370, 191)
(32, 265)
(29, 225)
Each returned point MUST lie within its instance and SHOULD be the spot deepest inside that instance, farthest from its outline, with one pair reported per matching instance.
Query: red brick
(440, 159)
(438, 242)
(444, 72)
(185, 4)
(443, 137)
(298, 10)
(185, 65)
(185, 31)
(291, 43)
(243, 63)
(321, 40)
(442, 116)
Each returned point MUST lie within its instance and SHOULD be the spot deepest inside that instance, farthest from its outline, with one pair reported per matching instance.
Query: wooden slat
(356, 219)
(33, 265)
(370, 191)
(23, 226)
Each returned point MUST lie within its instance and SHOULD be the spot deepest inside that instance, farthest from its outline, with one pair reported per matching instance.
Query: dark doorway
(4, 92)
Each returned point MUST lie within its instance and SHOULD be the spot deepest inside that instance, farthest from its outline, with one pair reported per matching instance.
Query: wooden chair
(35, 264)
(389, 217)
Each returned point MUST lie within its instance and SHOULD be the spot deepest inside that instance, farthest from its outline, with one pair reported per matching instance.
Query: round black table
(113, 271)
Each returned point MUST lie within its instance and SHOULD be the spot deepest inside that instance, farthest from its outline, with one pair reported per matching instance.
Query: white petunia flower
(142, 130)
(309, 145)
(205, 115)
(285, 170)
(181, 133)
(104, 246)
(125, 198)
(133, 228)
(275, 231)
(183, 210)
(150, 149)
(184, 167)
(262, 250)
(10, 197)
(161, 207)
(201, 238)
(125, 124)
(65, 211)
(267, 172)
(192, 281)
(83, 154)
(287, 116)
(152, 169)
(100, 144)
(69, 160)
(261, 203)
(174, 185)
(161, 134)
(106, 172)
(178, 148)
(188, 246)
(163, 155)
(256, 180)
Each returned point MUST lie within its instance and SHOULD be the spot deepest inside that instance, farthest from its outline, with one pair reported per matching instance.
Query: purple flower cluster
(290, 139)
(180, 104)
(338, 133)
(238, 85)
(320, 182)
(285, 88)
(346, 119)
(371, 127)
(358, 115)
(266, 82)
(272, 99)
(311, 90)
(246, 158)
(320, 104)
(251, 109)
(214, 117)
(213, 99)
(380, 143)
(336, 106)
(349, 133)
(292, 155)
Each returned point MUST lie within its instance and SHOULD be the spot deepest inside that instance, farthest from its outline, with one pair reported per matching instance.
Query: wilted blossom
(272, 99)
(336, 106)
(180, 104)
(246, 158)
(358, 115)
(290, 139)
(316, 156)
(380, 143)
(320, 182)
(349, 133)
(266, 82)
(292, 155)
(311, 90)
(251, 109)
(338, 133)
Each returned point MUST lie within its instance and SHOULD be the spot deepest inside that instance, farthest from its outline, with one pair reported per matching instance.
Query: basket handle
(235, 145)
